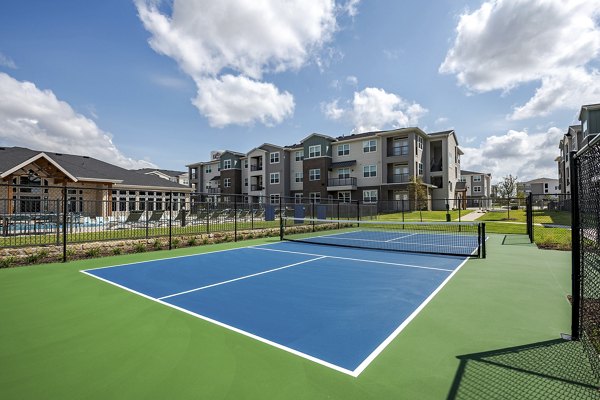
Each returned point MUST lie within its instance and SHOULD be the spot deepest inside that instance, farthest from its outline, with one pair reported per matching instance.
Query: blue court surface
(336, 306)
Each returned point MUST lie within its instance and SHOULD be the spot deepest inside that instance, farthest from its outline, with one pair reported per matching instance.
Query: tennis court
(337, 306)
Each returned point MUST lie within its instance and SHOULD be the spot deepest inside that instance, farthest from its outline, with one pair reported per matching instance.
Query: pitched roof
(168, 172)
(85, 168)
(465, 172)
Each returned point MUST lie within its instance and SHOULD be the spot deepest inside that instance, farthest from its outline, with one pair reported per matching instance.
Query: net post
(575, 250)
(312, 213)
(478, 240)
(358, 211)
(483, 247)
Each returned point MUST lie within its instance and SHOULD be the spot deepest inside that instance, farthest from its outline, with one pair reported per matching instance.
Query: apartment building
(574, 139)
(367, 167)
(539, 186)
(478, 188)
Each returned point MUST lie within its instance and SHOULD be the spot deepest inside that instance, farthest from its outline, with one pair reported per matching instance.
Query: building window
(245, 181)
(400, 147)
(344, 173)
(227, 182)
(208, 169)
(369, 146)
(314, 151)
(369, 171)
(246, 163)
(314, 174)
(477, 178)
(437, 181)
(343, 149)
(420, 142)
(300, 155)
(274, 199)
(420, 169)
(227, 164)
(345, 197)
(299, 176)
(476, 189)
(274, 177)
(275, 157)
(370, 196)
(298, 198)
(315, 197)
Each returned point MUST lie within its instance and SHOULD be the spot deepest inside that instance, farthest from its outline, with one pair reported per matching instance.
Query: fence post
(170, 220)
(235, 217)
(64, 223)
(147, 215)
(57, 222)
(207, 217)
(575, 249)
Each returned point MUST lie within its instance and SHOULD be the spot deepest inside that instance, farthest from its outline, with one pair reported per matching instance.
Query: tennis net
(446, 238)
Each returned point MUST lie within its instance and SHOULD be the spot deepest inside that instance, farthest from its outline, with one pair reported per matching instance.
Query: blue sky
(166, 82)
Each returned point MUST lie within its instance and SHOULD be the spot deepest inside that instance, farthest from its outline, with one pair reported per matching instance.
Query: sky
(161, 83)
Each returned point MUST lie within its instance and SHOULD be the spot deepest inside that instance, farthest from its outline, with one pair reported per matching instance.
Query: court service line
(354, 259)
(400, 237)
(240, 278)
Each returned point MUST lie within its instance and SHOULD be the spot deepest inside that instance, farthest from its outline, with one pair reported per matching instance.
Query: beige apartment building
(368, 167)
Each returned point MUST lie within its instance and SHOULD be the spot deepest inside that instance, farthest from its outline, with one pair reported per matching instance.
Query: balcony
(334, 184)
(399, 178)
(256, 188)
(397, 151)
(256, 167)
(213, 190)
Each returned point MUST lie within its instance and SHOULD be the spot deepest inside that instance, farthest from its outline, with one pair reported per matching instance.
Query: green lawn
(424, 215)
(66, 335)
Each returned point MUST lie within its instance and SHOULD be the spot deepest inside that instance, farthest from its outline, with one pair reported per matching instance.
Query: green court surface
(490, 333)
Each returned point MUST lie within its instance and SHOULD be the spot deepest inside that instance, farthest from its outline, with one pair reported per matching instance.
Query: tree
(507, 186)
(418, 193)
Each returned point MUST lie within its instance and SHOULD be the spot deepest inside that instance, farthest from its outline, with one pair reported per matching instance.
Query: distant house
(478, 188)
(33, 180)
(540, 186)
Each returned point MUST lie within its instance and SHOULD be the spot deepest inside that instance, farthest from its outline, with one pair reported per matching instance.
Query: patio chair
(132, 220)
(181, 215)
(156, 218)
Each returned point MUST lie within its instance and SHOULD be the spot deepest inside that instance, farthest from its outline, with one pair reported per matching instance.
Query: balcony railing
(213, 190)
(399, 178)
(397, 151)
(255, 188)
(256, 168)
(342, 182)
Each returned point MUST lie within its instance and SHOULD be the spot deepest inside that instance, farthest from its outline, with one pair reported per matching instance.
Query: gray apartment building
(574, 139)
(368, 167)
(478, 188)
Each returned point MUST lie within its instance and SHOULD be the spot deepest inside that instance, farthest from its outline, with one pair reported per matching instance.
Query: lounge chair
(132, 220)
(181, 215)
(156, 218)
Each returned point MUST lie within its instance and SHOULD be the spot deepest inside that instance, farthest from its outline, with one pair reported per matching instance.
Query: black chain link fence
(585, 180)
(549, 216)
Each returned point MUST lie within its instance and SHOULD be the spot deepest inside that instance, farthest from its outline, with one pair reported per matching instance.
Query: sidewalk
(471, 216)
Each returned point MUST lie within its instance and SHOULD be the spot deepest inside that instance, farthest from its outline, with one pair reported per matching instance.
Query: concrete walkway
(471, 216)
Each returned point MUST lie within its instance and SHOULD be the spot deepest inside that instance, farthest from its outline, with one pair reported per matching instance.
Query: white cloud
(507, 43)
(522, 154)
(441, 120)
(352, 80)
(6, 61)
(36, 119)
(351, 7)
(243, 38)
(240, 100)
(374, 109)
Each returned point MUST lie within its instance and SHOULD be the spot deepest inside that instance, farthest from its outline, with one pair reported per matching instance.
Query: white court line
(234, 329)
(241, 277)
(354, 259)
(399, 237)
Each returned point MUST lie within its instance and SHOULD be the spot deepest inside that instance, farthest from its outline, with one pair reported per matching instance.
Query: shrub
(32, 258)
(93, 252)
(175, 243)
(139, 248)
(157, 244)
(7, 262)
(117, 251)
(191, 241)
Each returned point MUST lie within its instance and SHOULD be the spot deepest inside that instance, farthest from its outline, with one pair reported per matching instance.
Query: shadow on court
(554, 369)
(516, 240)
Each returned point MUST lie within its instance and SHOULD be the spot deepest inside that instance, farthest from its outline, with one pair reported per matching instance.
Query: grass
(424, 215)
(66, 335)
